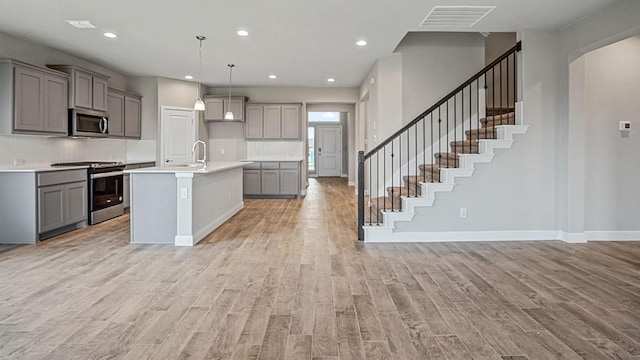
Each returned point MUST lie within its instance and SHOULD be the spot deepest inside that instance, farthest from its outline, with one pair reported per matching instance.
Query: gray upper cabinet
(217, 106)
(273, 121)
(33, 100)
(99, 93)
(88, 88)
(55, 108)
(290, 121)
(253, 124)
(124, 114)
(132, 117)
(115, 104)
(83, 93)
(213, 108)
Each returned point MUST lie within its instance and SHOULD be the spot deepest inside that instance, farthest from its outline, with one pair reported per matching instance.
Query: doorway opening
(324, 139)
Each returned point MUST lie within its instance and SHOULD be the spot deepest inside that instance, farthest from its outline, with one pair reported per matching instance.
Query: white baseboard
(183, 240)
(344, 175)
(613, 235)
(458, 236)
(351, 183)
(379, 234)
(572, 238)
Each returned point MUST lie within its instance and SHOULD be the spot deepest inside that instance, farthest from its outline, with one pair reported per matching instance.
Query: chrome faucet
(204, 158)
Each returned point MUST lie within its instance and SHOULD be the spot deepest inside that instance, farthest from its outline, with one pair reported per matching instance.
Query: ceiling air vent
(81, 24)
(456, 16)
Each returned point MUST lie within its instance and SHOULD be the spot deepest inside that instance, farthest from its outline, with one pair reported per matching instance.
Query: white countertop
(34, 168)
(212, 167)
(275, 158)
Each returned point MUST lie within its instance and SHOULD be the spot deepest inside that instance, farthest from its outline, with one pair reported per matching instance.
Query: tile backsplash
(274, 148)
(43, 150)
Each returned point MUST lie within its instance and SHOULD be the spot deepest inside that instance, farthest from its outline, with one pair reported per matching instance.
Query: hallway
(286, 279)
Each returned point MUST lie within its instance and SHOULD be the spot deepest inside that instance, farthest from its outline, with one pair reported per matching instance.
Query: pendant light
(199, 104)
(229, 114)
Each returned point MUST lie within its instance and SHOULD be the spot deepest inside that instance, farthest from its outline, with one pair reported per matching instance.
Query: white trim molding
(613, 235)
(459, 236)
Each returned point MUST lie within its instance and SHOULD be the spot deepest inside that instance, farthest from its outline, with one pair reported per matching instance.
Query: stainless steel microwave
(85, 122)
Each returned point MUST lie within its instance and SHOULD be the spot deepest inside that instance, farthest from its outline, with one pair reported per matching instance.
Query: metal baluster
(392, 156)
(447, 141)
(384, 170)
(508, 87)
(432, 149)
(415, 136)
(360, 195)
(370, 194)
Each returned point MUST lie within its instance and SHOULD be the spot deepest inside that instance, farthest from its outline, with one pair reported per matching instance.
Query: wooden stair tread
(399, 191)
(481, 133)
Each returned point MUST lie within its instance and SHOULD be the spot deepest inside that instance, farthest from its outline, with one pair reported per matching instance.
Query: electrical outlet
(222, 151)
(463, 213)
(18, 162)
(184, 193)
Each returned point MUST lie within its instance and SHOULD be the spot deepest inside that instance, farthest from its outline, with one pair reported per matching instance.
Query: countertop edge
(212, 167)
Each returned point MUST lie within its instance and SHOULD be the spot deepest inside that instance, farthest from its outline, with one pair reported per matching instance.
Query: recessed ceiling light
(243, 33)
(110, 35)
(272, 76)
(81, 24)
(361, 43)
(188, 77)
(331, 80)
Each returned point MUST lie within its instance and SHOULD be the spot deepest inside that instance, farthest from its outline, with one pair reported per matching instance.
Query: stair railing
(396, 160)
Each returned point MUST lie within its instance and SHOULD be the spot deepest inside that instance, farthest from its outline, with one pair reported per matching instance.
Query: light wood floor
(285, 279)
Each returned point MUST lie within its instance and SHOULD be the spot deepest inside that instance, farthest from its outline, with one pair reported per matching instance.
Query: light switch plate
(625, 125)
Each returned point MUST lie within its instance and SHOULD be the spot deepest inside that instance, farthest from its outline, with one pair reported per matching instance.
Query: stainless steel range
(105, 188)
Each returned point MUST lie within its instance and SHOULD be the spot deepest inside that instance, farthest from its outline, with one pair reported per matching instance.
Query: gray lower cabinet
(289, 180)
(251, 182)
(272, 179)
(33, 100)
(62, 199)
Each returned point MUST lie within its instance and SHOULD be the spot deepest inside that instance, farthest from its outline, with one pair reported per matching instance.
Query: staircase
(457, 132)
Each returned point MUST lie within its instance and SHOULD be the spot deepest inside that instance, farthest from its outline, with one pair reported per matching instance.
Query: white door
(178, 135)
(329, 150)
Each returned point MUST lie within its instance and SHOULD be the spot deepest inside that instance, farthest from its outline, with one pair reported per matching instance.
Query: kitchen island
(180, 205)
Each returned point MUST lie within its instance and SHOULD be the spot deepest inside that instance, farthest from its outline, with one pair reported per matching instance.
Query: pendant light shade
(199, 104)
(229, 114)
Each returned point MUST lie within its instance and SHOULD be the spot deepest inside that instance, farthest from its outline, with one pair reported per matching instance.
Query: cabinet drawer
(61, 177)
(270, 165)
(289, 165)
(252, 166)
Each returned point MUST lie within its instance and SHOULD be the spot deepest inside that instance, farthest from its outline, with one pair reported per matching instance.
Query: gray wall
(612, 161)
(572, 171)
(434, 64)
(41, 55)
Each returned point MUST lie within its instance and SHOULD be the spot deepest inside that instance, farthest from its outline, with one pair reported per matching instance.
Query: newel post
(360, 195)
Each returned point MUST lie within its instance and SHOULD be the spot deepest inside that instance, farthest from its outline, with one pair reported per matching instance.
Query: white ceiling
(303, 42)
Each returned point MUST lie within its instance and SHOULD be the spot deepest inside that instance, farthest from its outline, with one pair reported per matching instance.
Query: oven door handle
(109, 174)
